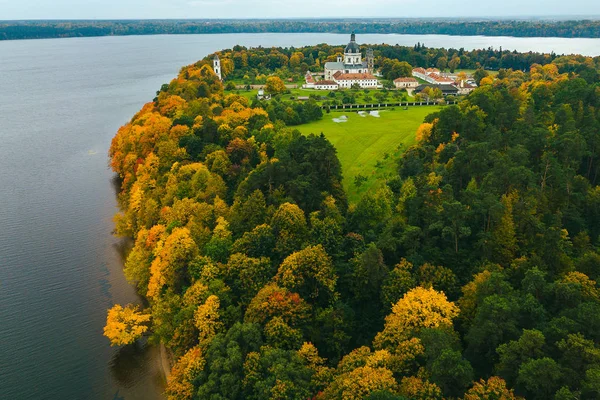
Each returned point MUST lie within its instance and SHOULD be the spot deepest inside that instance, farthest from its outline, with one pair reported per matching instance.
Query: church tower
(370, 58)
(217, 66)
(352, 52)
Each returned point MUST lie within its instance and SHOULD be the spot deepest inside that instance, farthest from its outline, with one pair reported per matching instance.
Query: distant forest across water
(13, 30)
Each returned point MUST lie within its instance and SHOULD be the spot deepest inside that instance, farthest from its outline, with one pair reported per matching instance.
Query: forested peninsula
(469, 272)
(12, 30)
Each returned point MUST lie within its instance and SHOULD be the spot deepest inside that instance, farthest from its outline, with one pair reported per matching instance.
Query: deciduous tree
(124, 325)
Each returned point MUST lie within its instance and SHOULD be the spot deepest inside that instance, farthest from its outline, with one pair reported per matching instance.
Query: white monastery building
(364, 80)
(351, 68)
(432, 75)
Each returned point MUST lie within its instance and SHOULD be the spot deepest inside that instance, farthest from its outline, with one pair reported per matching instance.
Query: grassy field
(472, 71)
(367, 145)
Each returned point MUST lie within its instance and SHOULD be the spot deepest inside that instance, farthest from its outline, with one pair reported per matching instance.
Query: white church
(348, 70)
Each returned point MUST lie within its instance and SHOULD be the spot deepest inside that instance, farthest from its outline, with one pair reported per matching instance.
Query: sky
(142, 9)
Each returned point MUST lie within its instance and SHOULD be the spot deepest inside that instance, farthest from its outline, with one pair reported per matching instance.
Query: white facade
(310, 81)
(327, 85)
(351, 63)
(363, 83)
(406, 83)
(217, 66)
(353, 59)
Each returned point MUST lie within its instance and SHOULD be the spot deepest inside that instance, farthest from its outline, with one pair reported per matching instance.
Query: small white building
(406, 83)
(310, 81)
(262, 95)
(465, 88)
(326, 85)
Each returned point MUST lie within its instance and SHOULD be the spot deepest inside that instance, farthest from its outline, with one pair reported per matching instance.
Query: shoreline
(164, 362)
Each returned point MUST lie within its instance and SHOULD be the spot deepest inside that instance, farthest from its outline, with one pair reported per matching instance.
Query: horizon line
(488, 18)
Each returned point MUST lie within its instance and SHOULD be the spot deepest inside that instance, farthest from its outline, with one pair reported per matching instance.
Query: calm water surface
(61, 101)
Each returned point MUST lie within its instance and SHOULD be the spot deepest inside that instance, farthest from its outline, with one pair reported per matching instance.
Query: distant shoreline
(47, 29)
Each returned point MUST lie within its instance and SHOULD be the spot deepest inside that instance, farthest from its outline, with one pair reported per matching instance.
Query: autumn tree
(275, 85)
(419, 308)
(178, 249)
(492, 389)
(206, 320)
(310, 273)
(124, 325)
(417, 388)
(180, 384)
(275, 301)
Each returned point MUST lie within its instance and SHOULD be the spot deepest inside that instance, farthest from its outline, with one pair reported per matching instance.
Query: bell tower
(217, 66)
(370, 60)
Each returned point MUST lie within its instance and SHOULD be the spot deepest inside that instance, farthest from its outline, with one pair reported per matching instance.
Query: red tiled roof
(405, 80)
(322, 83)
(464, 85)
(420, 70)
(337, 74)
(439, 78)
(353, 76)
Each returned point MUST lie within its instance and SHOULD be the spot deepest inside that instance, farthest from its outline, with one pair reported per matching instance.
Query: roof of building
(405, 80)
(341, 66)
(324, 82)
(334, 65)
(464, 85)
(352, 47)
(419, 70)
(440, 79)
(353, 76)
(309, 79)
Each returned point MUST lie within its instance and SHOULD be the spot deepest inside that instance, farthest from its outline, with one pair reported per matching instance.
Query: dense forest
(241, 63)
(471, 273)
(10, 30)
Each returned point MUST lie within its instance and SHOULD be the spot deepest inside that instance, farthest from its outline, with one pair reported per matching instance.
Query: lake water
(61, 101)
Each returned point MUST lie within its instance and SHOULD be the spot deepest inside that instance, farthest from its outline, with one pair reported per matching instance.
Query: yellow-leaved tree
(419, 308)
(274, 85)
(493, 388)
(206, 320)
(124, 325)
(424, 132)
(361, 382)
(180, 385)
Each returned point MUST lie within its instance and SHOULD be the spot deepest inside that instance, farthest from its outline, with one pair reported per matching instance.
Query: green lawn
(363, 141)
(295, 93)
(472, 71)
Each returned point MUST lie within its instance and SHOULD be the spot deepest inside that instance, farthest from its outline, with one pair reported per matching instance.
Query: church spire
(353, 37)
